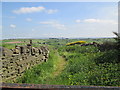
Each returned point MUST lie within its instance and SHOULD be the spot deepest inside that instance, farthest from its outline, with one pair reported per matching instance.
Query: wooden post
(31, 47)
(31, 42)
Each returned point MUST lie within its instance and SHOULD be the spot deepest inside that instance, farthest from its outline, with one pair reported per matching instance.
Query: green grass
(42, 72)
(24, 42)
(86, 65)
(83, 69)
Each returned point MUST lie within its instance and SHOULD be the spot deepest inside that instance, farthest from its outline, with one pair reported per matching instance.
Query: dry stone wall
(16, 61)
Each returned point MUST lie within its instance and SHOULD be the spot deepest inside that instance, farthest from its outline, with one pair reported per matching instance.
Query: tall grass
(85, 67)
(42, 72)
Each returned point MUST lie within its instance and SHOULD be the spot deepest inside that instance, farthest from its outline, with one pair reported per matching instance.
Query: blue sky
(59, 19)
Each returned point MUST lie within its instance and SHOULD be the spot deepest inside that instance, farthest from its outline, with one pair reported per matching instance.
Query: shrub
(108, 45)
(110, 56)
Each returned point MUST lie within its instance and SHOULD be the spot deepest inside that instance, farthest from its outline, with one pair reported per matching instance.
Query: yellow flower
(77, 42)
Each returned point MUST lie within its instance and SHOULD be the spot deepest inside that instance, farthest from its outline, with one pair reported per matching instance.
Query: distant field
(10, 43)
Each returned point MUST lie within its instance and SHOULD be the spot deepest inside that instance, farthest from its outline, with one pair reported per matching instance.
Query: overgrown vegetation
(91, 67)
(86, 65)
(41, 73)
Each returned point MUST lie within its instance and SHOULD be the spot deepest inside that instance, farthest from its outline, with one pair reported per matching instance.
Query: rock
(16, 61)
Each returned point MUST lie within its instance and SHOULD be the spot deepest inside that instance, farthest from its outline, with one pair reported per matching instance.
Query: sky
(59, 19)
(60, 0)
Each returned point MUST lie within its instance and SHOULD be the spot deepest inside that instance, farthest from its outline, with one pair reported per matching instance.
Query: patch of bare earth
(14, 42)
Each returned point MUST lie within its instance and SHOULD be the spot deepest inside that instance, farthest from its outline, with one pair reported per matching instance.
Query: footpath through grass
(89, 66)
(85, 65)
(60, 65)
(45, 72)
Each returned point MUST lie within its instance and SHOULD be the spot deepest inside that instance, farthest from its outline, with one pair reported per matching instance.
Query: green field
(73, 65)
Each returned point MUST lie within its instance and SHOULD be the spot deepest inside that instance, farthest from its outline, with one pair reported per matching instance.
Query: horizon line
(57, 38)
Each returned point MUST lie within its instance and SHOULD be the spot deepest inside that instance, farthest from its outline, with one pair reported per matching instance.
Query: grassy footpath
(75, 65)
(83, 66)
(90, 66)
(45, 72)
(60, 65)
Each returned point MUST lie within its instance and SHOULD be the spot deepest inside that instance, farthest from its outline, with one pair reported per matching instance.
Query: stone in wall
(6, 52)
(17, 61)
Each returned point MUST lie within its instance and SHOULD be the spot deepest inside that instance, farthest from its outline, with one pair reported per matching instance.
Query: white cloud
(29, 10)
(47, 22)
(54, 24)
(25, 10)
(51, 11)
(99, 21)
(77, 21)
(13, 26)
(93, 29)
(29, 19)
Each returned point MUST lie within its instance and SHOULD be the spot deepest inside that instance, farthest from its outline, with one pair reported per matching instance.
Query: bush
(110, 56)
(108, 45)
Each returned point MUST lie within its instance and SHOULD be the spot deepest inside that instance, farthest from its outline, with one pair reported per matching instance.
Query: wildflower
(77, 42)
